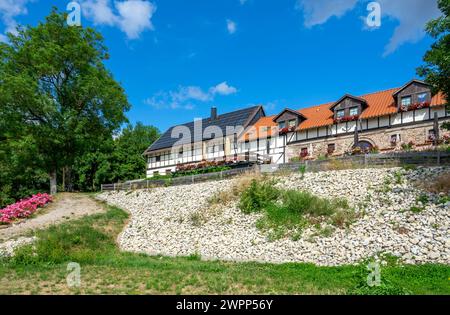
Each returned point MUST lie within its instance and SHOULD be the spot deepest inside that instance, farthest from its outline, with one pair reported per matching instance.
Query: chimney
(213, 113)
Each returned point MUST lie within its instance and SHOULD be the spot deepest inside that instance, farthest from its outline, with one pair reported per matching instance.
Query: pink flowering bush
(23, 208)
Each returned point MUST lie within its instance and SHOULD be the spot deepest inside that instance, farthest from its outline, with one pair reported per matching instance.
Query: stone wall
(380, 138)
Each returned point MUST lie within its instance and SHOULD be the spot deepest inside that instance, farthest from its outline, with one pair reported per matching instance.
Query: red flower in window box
(283, 131)
(404, 108)
(346, 118)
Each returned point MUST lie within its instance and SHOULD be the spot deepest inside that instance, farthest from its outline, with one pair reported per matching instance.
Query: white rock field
(161, 221)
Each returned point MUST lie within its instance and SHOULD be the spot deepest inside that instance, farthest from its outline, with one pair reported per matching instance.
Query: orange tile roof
(378, 104)
(259, 129)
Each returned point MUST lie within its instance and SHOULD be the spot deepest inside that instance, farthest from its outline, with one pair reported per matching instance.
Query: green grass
(287, 212)
(90, 241)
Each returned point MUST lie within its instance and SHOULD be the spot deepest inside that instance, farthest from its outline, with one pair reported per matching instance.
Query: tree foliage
(55, 87)
(59, 110)
(437, 60)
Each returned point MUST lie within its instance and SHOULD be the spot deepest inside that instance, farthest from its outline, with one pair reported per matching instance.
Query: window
(282, 124)
(422, 97)
(158, 158)
(292, 123)
(431, 135)
(406, 101)
(304, 152)
(331, 148)
(168, 171)
(180, 153)
(353, 111)
(340, 113)
(247, 145)
(395, 139)
(155, 173)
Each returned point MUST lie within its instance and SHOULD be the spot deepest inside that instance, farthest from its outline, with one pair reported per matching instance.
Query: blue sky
(177, 58)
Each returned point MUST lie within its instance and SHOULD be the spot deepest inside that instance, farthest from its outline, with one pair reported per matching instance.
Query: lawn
(90, 241)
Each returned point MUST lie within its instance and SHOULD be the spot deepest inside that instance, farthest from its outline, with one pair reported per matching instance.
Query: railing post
(438, 157)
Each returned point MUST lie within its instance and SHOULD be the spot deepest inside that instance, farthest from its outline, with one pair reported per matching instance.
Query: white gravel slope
(161, 222)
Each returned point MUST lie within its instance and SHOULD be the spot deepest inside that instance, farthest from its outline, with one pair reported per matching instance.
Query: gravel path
(162, 221)
(65, 207)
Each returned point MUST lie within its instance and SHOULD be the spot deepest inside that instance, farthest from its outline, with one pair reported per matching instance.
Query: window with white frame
(406, 101)
(340, 113)
(354, 111)
(291, 123)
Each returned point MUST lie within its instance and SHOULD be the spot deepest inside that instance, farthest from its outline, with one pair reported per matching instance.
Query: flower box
(285, 130)
(415, 106)
(346, 118)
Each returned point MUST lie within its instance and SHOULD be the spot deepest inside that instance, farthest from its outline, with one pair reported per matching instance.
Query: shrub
(416, 209)
(258, 196)
(303, 202)
(302, 170)
(408, 146)
(439, 184)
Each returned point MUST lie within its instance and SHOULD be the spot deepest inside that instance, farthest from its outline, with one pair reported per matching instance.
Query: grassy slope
(104, 269)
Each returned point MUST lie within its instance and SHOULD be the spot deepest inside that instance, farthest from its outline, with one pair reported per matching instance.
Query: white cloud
(9, 10)
(231, 26)
(223, 89)
(131, 16)
(186, 96)
(411, 15)
(319, 11)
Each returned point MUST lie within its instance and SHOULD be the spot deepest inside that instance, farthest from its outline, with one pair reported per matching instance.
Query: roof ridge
(361, 96)
(206, 118)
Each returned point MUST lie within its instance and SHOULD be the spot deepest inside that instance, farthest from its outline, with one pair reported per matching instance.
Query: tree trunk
(53, 187)
(64, 178)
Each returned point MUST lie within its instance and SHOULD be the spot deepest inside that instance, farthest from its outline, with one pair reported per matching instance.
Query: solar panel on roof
(232, 119)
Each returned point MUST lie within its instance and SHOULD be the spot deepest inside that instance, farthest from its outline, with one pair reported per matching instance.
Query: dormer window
(340, 113)
(288, 120)
(354, 111)
(406, 101)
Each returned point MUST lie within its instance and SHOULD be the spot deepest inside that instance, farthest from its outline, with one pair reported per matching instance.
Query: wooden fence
(182, 180)
(426, 158)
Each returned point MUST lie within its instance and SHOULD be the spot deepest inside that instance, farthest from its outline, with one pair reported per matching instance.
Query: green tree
(55, 89)
(437, 60)
(116, 160)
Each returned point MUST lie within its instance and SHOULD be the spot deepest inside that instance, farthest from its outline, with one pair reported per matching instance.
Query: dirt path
(65, 207)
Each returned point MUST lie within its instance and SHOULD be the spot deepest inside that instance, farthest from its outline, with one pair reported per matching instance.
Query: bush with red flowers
(23, 208)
